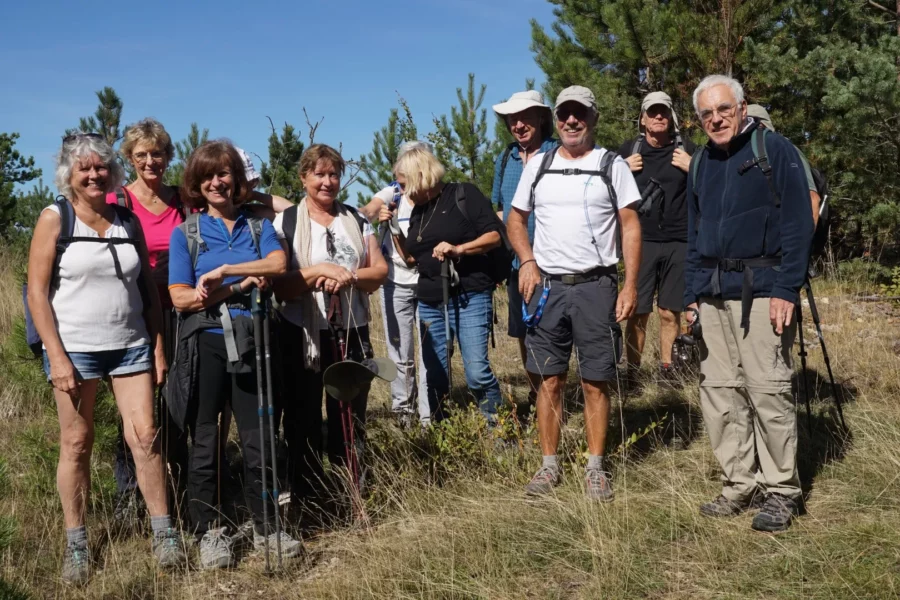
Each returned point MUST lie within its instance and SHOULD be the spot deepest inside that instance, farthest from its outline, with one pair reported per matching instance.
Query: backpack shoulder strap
(66, 232)
(761, 158)
(191, 230)
(546, 161)
(360, 219)
(503, 162)
(123, 198)
(256, 225)
(679, 143)
(127, 218)
(636, 146)
(695, 165)
(289, 227)
(459, 194)
(606, 165)
(179, 205)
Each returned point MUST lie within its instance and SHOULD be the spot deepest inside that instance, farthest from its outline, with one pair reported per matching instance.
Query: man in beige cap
(530, 122)
(583, 199)
(659, 160)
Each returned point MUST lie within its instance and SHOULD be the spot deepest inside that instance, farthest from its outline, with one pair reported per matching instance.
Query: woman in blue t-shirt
(229, 263)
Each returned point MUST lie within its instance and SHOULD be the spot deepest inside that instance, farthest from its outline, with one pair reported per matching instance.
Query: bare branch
(312, 128)
(874, 4)
(271, 124)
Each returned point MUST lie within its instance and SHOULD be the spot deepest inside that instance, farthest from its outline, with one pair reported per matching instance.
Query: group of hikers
(149, 285)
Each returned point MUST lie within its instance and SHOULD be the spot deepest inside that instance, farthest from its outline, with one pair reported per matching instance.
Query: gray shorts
(583, 314)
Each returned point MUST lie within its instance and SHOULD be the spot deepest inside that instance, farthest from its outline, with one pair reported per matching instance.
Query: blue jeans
(470, 323)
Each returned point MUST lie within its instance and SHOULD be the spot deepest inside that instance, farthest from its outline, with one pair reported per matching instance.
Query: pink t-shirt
(157, 231)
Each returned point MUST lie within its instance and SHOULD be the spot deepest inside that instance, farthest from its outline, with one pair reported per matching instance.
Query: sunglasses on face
(578, 111)
(75, 136)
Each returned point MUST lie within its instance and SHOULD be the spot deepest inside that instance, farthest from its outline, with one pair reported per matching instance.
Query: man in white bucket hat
(530, 122)
(659, 160)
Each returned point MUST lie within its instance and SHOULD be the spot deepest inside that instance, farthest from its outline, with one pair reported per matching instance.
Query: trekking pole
(815, 317)
(257, 311)
(267, 296)
(799, 316)
(446, 268)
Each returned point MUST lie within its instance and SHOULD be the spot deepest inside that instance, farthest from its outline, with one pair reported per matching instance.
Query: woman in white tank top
(89, 316)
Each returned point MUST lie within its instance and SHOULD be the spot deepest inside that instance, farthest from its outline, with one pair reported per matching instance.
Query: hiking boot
(290, 548)
(215, 549)
(722, 507)
(168, 548)
(776, 514)
(76, 565)
(543, 482)
(597, 485)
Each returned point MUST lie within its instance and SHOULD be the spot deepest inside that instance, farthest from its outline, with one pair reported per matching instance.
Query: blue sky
(227, 65)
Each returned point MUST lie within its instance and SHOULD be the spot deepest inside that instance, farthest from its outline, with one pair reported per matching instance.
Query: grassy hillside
(446, 517)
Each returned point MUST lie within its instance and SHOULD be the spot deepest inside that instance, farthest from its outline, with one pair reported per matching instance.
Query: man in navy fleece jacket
(748, 249)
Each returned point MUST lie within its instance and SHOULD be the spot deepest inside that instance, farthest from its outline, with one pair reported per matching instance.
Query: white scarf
(310, 302)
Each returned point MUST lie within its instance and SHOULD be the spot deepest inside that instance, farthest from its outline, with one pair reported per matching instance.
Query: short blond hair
(147, 131)
(422, 170)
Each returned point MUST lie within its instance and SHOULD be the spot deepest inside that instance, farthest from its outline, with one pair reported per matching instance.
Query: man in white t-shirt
(584, 200)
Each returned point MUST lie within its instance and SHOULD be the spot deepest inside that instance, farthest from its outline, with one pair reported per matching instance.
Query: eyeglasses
(142, 157)
(74, 136)
(726, 111)
(578, 111)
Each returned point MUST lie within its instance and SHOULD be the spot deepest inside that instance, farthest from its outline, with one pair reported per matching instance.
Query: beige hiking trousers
(745, 396)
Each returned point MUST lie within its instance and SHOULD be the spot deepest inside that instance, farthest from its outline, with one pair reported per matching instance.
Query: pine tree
(624, 49)
(829, 77)
(14, 168)
(377, 166)
(280, 175)
(183, 150)
(462, 143)
(106, 119)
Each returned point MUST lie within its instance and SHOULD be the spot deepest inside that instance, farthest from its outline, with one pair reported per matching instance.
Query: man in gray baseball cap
(583, 200)
(659, 160)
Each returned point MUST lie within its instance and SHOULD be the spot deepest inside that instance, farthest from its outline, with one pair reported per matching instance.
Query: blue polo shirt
(223, 249)
(504, 189)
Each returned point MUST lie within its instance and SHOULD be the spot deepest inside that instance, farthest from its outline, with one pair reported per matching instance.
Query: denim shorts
(96, 365)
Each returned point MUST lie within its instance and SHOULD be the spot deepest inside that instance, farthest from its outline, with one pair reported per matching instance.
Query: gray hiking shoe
(76, 565)
(290, 548)
(722, 507)
(776, 514)
(168, 548)
(543, 482)
(215, 549)
(597, 485)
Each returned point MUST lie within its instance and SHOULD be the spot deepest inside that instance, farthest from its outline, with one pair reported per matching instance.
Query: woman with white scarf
(333, 250)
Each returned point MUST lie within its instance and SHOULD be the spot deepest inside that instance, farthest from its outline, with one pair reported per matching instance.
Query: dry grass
(451, 522)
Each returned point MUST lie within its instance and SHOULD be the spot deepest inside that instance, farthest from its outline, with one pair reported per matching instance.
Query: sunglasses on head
(74, 136)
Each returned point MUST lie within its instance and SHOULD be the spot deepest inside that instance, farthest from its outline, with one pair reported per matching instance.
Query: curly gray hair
(80, 145)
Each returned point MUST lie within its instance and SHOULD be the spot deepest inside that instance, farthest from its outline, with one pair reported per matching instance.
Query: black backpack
(639, 143)
(191, 230)
(67, 237)
(501, 257)
(761, 160)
